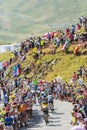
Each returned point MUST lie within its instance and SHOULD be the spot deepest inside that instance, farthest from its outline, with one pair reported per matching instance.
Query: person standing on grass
(74, 78)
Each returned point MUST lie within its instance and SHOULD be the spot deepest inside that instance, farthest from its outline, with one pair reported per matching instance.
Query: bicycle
(46, 118)
(45, 112)
(51, 107)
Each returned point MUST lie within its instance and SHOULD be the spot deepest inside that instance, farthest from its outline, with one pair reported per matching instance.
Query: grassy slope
(23, 17)
(4, 56)
(64, 67)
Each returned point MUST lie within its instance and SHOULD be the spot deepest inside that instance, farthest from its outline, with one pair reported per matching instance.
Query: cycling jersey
(44, 105)
(50, 98)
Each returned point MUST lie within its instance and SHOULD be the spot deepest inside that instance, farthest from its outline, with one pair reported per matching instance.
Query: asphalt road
(59, 120)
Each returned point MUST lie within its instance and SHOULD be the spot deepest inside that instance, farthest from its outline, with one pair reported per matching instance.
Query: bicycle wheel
(51, 107)
(46, 119)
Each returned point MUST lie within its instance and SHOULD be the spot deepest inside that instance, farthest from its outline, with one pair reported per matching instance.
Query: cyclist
(44, 105)
(50, 98)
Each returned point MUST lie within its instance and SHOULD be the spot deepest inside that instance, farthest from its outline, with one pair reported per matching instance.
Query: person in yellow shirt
(12, 55)
(42, 43)
(3, 111)
(34, 50)
(73, 119)
(44, 106)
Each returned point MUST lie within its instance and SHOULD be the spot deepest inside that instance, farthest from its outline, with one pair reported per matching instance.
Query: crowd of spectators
(17, 93)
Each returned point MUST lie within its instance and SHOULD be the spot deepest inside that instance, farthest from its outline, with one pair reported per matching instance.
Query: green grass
(4, 56)
(64, 66)
(20, 18)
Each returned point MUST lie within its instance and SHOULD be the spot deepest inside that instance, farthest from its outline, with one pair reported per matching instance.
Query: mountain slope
(59, 64)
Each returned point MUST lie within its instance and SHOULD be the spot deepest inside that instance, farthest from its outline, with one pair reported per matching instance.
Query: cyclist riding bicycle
(44, 104)
(50, 98)
(44, 107)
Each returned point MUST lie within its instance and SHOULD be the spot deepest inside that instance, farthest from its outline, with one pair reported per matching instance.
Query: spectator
(8, 122)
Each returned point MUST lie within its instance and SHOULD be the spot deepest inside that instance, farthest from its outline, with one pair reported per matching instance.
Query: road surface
(59, 120)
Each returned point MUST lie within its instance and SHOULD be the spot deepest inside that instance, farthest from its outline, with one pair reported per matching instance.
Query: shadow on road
(58, 113)
(55, 121)
(55, 118)
(55, 125)
(35, 121)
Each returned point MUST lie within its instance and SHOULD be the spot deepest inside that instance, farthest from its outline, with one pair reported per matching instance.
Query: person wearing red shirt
(74, 78)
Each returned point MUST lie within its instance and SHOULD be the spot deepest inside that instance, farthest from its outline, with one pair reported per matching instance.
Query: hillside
(21, 18)
(59, 64)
